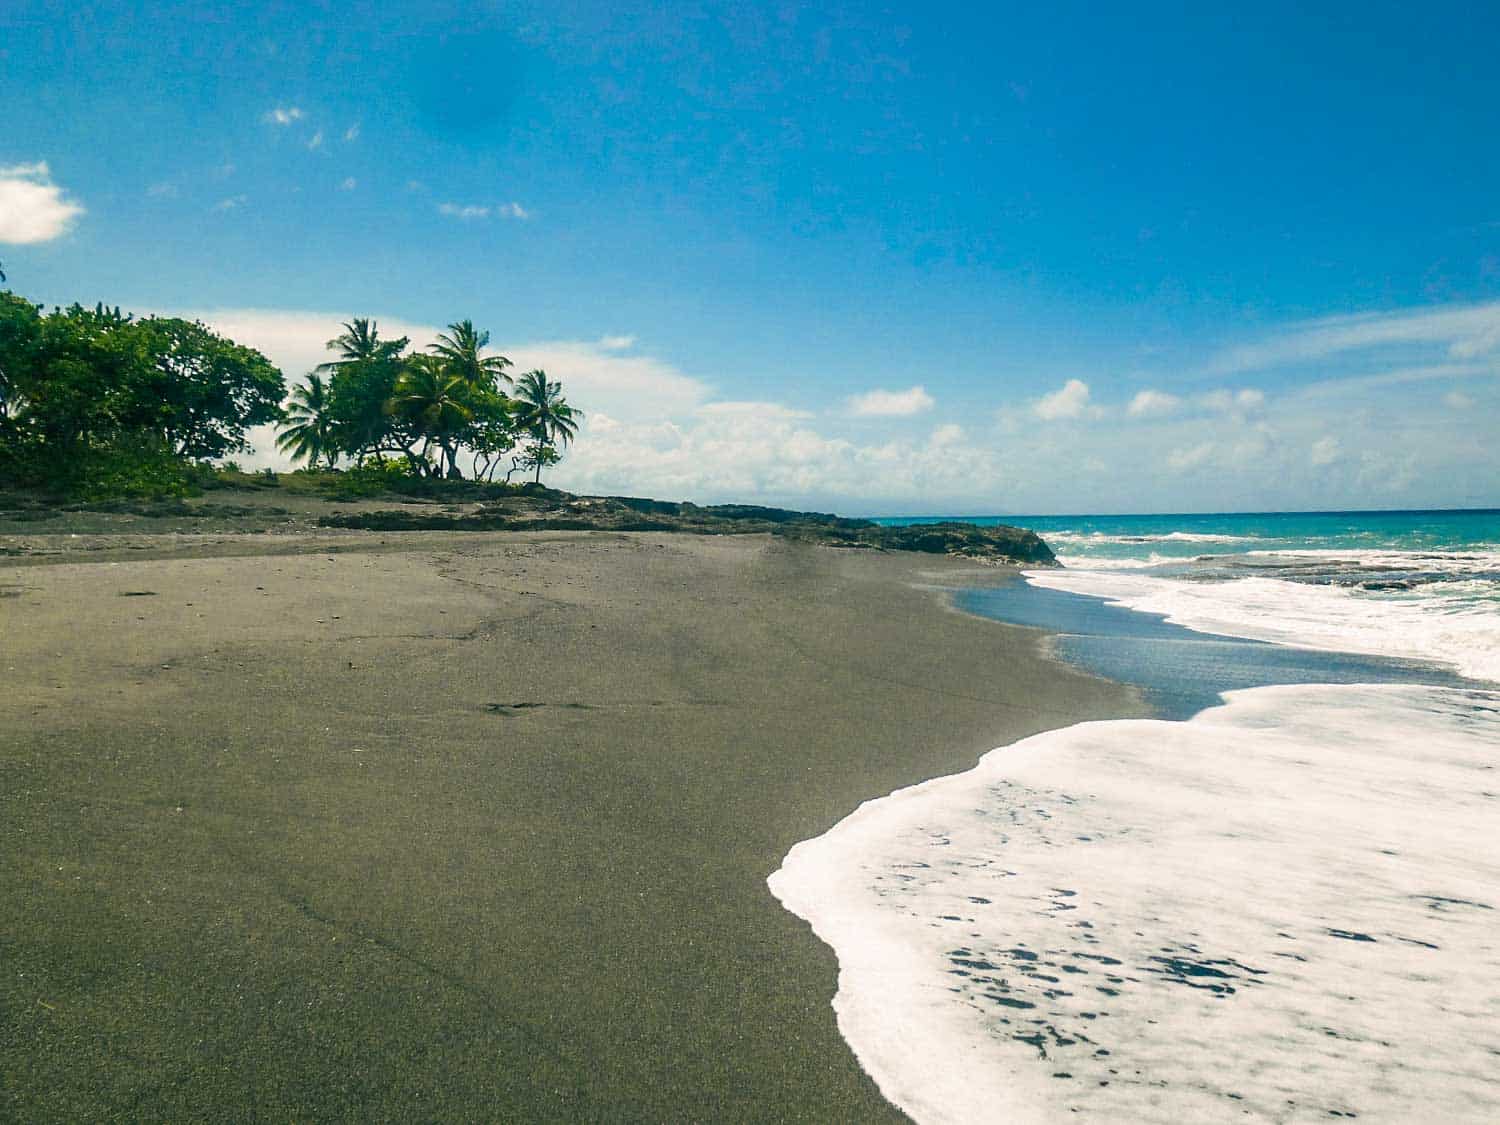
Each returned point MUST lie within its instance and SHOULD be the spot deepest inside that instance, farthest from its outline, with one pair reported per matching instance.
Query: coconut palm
(459, 348)
(541, 412)
(436, 403)
(310, 434)
(360, 342)
(362, 380)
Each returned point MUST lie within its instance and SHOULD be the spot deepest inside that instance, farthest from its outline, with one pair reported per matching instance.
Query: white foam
(1101, 537)
(1323, 859)
(1432, 628)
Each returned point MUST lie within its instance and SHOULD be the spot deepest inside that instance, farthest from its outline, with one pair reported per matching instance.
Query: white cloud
(1226, 400)
(626, 387)
(466, 213)
(316, 140)
(1068, 401)
(231, 203)
(891, 404)
(1458, 400)
(1465, 332)
(283, 115)
(349, 184)
(617, 343)
(943, 436)
(32, 207)
(1153, 404)
(352, 133)
(764, 452)
(1324, 451)
(471, 211)
(163, 190)
(1191, 458)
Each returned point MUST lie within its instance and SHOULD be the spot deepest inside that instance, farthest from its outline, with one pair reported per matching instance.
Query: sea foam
(1285, 908)
(1335, 618)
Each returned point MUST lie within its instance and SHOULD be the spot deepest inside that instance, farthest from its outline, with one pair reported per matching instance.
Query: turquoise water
(1185, 536)
(1309, 597)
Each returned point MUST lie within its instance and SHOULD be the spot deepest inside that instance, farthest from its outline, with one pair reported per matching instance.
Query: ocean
(1279, 899)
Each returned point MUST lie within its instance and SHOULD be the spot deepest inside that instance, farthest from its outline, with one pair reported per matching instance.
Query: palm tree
(360, 342)
(362, 380)
(542, 412)
(310, 434)
(459, 350)
(436, 403)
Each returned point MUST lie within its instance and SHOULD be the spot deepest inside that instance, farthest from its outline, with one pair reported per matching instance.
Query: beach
(449, 826)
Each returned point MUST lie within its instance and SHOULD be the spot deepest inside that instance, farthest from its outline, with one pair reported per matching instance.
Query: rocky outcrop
(561, 512)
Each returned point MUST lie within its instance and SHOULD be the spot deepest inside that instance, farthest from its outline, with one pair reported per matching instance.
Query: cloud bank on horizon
(653, 429)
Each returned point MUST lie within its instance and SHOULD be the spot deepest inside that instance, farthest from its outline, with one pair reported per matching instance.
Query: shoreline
(1070, 889)
(522, 873)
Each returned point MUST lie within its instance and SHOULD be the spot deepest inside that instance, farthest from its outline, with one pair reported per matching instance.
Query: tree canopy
(435, 409)
(77, 384)
(84, 387)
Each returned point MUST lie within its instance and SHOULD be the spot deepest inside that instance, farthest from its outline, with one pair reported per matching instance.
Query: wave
(1448, 631)
(1042, 935)
(1100, 537)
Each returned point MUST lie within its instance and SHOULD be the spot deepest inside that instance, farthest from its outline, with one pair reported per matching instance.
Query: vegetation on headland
(96, 403)
(428, 412)
(102, 410)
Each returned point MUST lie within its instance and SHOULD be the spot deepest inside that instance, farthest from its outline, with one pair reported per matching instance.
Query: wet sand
(460, 827)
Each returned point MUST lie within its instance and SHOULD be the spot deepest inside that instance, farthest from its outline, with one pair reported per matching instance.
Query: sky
(946, 259)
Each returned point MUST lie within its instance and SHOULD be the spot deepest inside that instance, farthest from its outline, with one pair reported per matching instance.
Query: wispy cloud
(1153, 404)
(1226, 400)
(283, 115)
(467, 212)
(352, 133)
(1325, 451)
(1464, 332)
(349, 184)
(471, 211)
(232, 203)
(1068, 401)
(617, 343)
(891, 404)
(315, 141)
(32, 207)
(163, 190)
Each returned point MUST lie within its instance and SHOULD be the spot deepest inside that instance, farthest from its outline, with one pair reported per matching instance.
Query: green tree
(544, 416)
(85, 387)
(362, 381)
(460, 350)
(198, 391)
(20, 329)
(437, 404)
(310, 432)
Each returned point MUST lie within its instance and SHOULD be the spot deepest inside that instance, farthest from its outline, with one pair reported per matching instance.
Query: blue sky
(878, 259)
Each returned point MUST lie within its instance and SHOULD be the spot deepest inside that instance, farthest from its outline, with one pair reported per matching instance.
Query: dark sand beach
(437, 826)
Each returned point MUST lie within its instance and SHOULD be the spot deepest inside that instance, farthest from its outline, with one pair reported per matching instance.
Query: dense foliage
(94, 400)
(97, 402)
(433, 411)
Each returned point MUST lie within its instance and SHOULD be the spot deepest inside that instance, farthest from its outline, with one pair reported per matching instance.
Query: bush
(373, 478)
(134, 468)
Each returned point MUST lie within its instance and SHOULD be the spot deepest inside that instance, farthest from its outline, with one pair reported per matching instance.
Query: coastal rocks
(1010, 544)
(561, 512)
